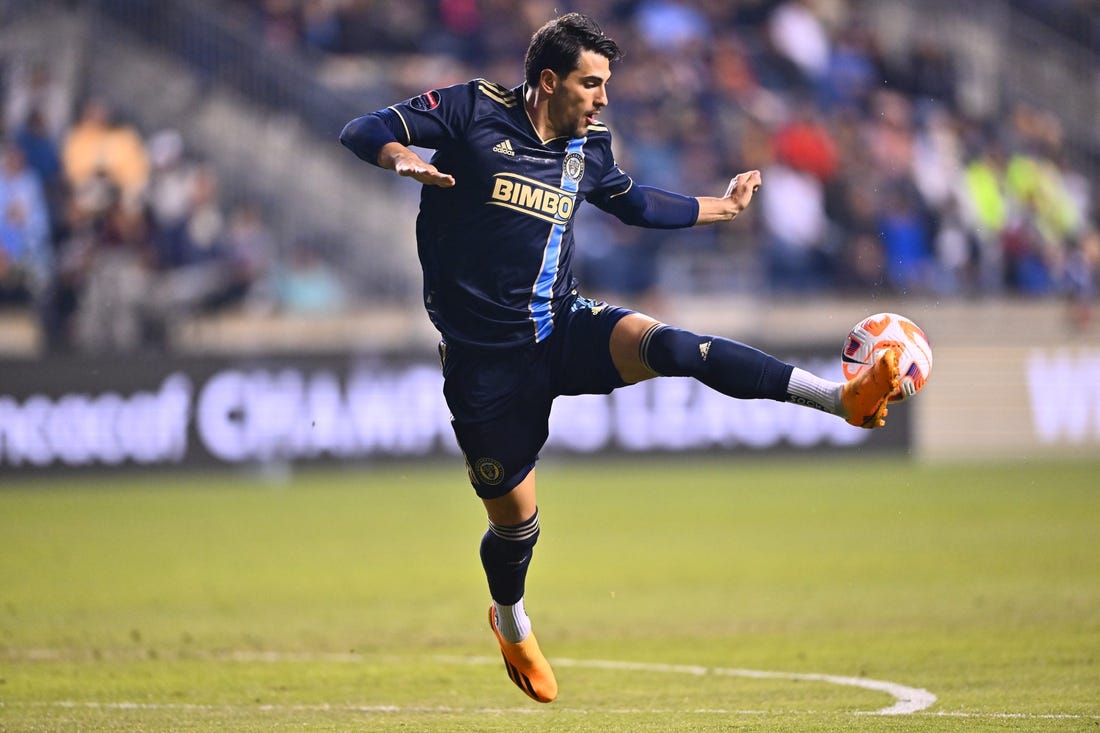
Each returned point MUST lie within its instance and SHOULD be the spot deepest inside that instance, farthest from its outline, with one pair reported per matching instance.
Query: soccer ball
(883, 331)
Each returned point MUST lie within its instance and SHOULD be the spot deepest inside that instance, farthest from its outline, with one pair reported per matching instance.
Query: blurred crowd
(111, 235)
(876, 178)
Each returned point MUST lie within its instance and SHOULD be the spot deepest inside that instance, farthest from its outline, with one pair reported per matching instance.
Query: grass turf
(353, 600)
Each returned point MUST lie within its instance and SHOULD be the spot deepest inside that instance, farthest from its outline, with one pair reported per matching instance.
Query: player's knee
(673, 352)
(510, 543)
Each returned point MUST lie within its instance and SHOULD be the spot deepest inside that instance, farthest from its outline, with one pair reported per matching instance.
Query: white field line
(450, 710)
(908, 700)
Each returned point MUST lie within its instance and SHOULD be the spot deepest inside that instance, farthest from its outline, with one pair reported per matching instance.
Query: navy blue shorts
(500, 399)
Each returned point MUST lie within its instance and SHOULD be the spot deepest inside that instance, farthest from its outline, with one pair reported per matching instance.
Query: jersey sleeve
(430, 120)
(434, 118)
(612, 184)
(643, 206)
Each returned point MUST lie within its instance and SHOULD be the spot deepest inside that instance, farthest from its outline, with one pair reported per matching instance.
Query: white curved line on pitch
(447, 709)
(908, 699)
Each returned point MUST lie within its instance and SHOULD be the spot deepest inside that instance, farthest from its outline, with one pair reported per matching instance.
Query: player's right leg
(642, 348)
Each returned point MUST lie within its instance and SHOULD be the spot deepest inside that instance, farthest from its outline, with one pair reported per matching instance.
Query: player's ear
(548, 81)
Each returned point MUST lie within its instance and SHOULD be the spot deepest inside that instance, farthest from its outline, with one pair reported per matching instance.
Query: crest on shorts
(573, 167)
(489, 471)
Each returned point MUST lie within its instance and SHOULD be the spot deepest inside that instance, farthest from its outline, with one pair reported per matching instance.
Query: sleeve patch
(426, 101)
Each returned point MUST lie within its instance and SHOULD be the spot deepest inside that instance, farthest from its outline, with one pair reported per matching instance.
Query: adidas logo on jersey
(504, 148)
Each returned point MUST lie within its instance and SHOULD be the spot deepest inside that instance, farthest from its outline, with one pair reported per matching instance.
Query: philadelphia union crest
(489, 470)
(573, 167)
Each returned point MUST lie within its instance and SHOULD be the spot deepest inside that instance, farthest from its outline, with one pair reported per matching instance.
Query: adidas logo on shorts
(504, 148)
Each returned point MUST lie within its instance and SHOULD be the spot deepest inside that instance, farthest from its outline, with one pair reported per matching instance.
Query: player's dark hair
(558, 44)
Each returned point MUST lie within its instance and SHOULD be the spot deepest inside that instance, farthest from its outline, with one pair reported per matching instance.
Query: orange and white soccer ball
(882, 331)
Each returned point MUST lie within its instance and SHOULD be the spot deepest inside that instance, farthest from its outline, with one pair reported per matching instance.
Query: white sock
(512, 621)
(813, 391)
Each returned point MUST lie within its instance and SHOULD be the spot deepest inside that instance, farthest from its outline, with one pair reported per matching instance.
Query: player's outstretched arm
(400, 159)
(656, 208)
(737, 197)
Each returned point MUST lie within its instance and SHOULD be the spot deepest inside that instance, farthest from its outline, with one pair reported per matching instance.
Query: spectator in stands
(853, 70)
(172, 183)
(906, 240)
(955, 251)
(250, 252)
(205, 219)
(308, 285)
(26, 261)
(671, 25)
(107, 269)
(799, 252)
(928, 73)
(99, 144)
(33, 87)
(732, 73)
(320, 25)
(805, 144)
(800, 37)
(1034, 178)
(793, 206)
(211, 264)
(937, 158)
(1082, 280)
(1027, 253)
(44, 157)
(985, 210)
(280, 24)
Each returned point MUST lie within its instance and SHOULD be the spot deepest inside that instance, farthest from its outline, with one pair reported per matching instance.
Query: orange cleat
(864, 396)
(525, 664)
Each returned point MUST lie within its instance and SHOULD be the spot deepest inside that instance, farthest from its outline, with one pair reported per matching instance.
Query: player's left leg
(506, 551)
(505, 555)
(643, 348)
(500, 412)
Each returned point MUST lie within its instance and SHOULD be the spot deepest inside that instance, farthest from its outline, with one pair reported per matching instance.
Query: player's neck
(537, 112)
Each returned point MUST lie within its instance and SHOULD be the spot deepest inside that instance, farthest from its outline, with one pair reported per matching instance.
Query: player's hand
(713, 209)
(740, 191)
(412, 165)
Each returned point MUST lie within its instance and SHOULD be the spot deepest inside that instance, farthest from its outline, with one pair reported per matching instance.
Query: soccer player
(495, 241)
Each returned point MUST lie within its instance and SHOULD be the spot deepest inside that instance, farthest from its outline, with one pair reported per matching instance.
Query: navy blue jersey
(497, 247)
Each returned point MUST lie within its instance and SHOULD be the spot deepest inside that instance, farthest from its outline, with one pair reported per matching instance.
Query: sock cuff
(643, 347)
(512, 621)
(521, 532)
(813, 391)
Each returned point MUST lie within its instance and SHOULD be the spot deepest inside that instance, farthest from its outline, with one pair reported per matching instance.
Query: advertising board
(209, 412)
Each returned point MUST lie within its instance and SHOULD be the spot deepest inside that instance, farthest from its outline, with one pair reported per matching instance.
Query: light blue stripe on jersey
(544, 285)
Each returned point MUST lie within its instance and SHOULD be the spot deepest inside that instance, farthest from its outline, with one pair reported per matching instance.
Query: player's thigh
(591, 352)
(626, 341)
(500, 403)
(501, 451)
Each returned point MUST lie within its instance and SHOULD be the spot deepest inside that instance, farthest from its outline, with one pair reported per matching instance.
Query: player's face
(579, 97)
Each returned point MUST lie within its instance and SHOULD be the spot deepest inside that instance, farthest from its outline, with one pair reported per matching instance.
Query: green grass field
(345, 600)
